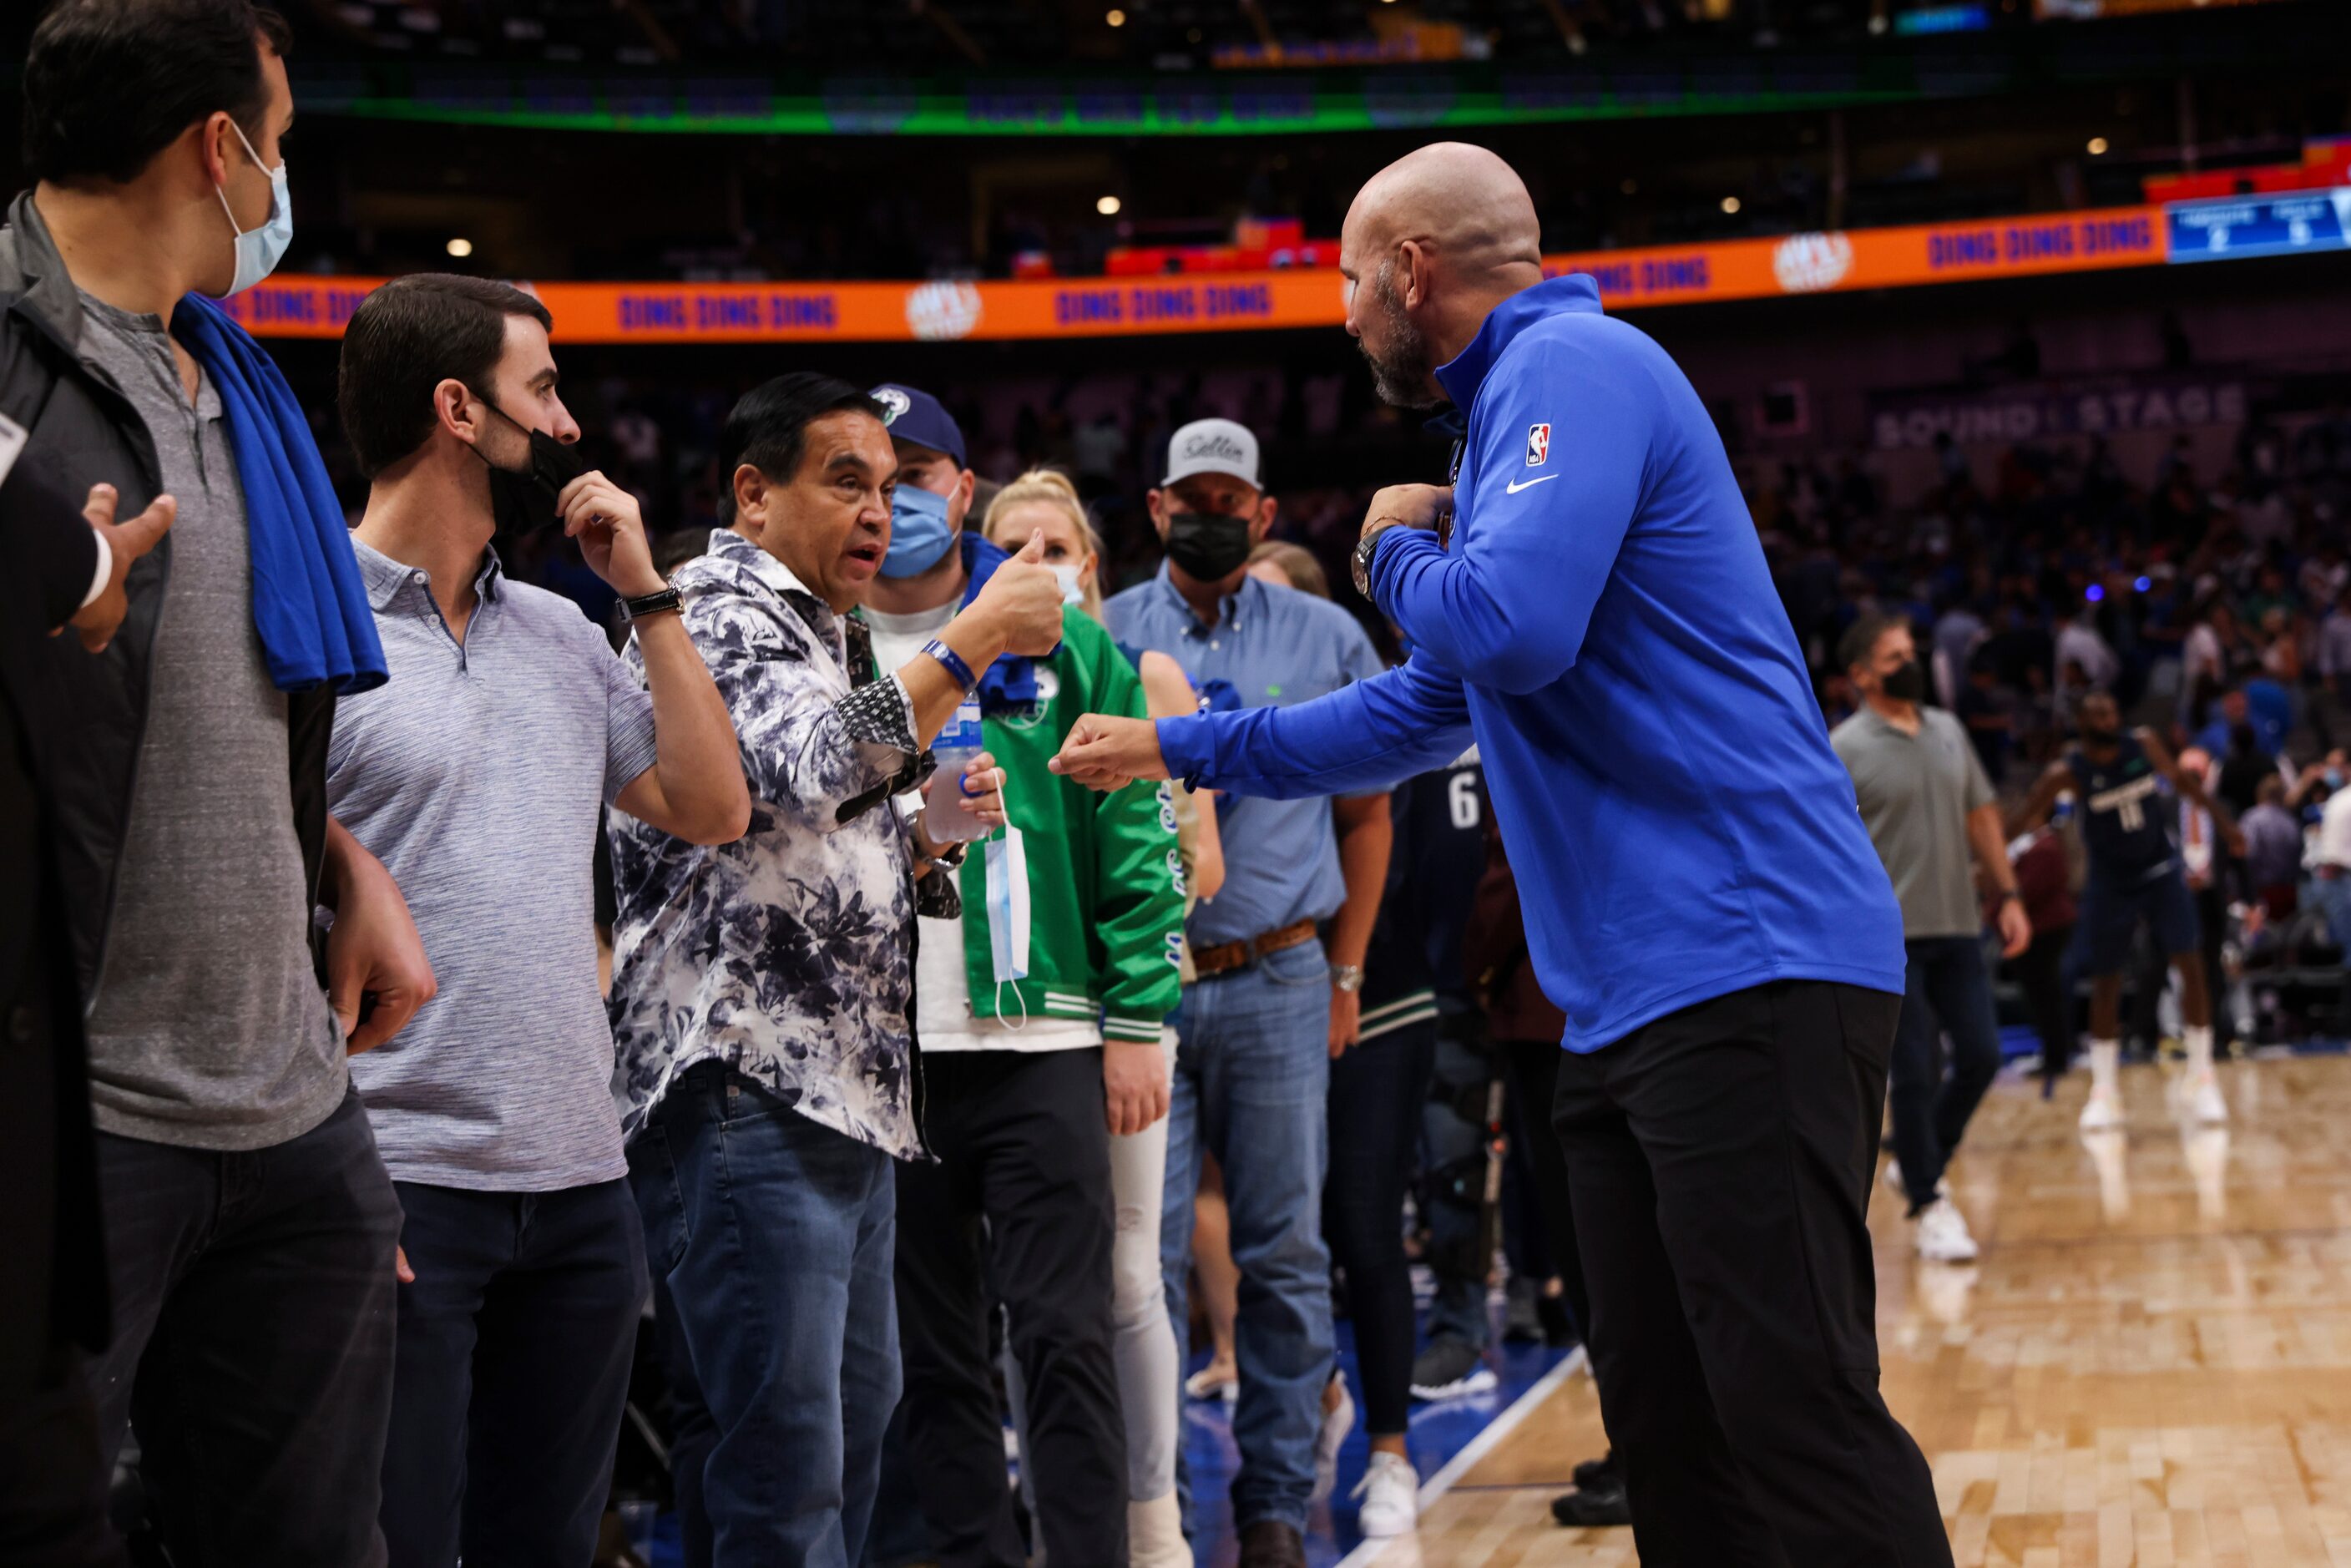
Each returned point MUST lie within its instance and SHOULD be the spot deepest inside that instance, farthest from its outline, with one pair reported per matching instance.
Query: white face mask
(1005, 863)
(258, 251)
(1067, 576)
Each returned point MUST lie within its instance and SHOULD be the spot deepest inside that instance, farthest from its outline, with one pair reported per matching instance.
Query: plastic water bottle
(950, 819)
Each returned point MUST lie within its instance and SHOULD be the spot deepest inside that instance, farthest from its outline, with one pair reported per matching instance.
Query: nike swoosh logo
(1525, 484)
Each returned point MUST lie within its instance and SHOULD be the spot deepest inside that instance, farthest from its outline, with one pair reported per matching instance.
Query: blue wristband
(952, 662)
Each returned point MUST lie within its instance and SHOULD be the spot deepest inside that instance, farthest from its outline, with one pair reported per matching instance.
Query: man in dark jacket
(249, 1227)
(53, 1306)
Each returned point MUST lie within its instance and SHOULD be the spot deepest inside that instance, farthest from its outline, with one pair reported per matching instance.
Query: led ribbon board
(1914, 256)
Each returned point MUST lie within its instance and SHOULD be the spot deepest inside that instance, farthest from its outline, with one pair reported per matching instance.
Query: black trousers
(253, 1343)
(1377, 1089)
(516, 1344)
(1023, 1141)
(1720, 1162)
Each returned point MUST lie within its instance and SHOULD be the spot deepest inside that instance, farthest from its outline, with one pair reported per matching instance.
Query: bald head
(1462, 202)
(1432, 244)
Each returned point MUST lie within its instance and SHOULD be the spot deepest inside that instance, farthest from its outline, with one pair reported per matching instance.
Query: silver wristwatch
(1347, 978)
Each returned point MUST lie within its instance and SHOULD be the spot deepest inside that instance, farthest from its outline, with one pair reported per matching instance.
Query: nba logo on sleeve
(1537, 446)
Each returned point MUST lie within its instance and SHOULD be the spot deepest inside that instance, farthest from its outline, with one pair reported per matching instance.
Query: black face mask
(1908, 683)
(525, 499)
(1211, 546)
(2100, 737)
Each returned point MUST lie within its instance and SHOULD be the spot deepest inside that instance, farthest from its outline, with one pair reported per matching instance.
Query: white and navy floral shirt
(788, 953)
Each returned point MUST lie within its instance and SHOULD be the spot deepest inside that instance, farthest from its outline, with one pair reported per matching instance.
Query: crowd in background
(2039, 573)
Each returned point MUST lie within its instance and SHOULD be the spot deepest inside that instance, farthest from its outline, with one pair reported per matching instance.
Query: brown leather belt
(1230, 957)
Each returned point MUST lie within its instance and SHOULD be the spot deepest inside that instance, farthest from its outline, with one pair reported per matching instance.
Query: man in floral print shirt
(762, 989)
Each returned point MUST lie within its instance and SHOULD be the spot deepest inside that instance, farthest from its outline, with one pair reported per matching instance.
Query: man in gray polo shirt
(1926, 803)
(477, 773)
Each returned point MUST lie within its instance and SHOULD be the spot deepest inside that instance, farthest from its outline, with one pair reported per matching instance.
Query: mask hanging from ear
(1005, 864)
(524, 499)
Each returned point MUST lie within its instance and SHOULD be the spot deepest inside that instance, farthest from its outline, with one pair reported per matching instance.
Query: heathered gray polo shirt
(1916, 791)
(474, 774)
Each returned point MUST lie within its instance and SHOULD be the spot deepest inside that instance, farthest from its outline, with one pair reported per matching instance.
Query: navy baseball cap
(918, 417)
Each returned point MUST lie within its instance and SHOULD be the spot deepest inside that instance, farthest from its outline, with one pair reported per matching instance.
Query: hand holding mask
(529, 497)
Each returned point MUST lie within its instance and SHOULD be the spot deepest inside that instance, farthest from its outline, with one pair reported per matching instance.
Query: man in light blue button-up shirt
(1260, 1024)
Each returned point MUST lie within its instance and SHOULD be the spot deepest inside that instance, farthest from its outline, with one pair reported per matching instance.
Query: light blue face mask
(258, 251)
(919, 534)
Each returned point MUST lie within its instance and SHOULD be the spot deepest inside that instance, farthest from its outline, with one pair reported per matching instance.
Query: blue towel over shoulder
(309, 603)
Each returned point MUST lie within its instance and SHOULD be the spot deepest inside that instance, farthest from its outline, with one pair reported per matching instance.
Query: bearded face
(1400, 360)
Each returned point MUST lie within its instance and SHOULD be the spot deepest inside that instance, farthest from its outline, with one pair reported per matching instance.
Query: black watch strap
(646, 604)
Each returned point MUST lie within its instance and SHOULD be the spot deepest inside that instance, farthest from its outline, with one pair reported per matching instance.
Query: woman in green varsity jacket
(1105, 882)
(1136, 1081)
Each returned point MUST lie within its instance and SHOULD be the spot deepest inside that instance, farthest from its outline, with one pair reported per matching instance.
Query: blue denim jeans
(1252, 1086)
(1946, 991)
(772, 1237)
(515, 1342)
(2333, 898)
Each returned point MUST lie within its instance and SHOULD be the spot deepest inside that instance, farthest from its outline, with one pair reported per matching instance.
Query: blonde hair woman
(1144, 1346)
(1286, 565)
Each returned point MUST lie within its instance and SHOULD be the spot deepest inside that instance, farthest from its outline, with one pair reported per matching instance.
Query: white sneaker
(2103, 1113)
(1391, 1497)
(1943, 1234)
(2204, 1101)
(1154, 1534)
(1209, 1384)
(1337, 1422)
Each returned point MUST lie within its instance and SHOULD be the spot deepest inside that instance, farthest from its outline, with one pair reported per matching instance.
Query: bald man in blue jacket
(1588, 600)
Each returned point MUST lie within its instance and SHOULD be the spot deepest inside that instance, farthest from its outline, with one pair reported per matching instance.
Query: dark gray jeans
(253, 1319)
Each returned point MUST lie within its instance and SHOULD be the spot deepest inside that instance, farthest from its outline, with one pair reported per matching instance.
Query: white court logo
(1805, 264)
(938, 310)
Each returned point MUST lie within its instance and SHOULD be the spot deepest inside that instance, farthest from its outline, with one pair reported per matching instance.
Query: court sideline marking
(1477, 1448)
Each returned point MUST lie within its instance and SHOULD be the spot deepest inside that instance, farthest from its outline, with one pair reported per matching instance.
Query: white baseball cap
(1213, 447)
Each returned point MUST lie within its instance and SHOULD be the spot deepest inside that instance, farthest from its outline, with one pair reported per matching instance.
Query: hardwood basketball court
(2150, 1363)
